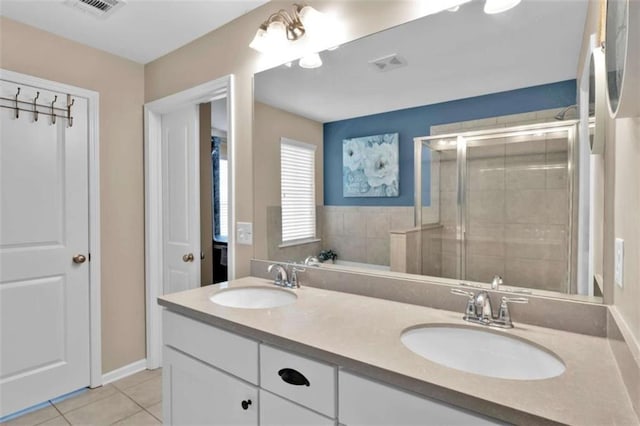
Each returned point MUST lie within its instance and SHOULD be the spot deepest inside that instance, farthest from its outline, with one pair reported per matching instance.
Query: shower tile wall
(517, 208)
(361, 234)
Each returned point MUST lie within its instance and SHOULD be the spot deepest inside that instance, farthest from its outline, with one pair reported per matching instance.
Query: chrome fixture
(282, 27)
(480, 311)
(496, 283)
(312, 261)
(561, 115)
(285, 277)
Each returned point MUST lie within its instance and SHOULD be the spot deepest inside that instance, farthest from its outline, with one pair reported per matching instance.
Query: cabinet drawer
(227, 351)
(365, 402)
(305, 381)
(276, 411)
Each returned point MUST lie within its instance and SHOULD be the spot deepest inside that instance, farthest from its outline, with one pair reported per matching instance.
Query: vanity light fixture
(498, 6)
(284, 27)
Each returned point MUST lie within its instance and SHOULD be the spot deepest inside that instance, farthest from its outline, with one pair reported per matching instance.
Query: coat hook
(53, 111)
(69, 105)
(35, 107)
(17, 109)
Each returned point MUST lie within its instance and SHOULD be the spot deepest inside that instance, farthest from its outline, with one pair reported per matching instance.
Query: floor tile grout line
(129, 416)
(88, 403)
(139, 405)
(152, 415)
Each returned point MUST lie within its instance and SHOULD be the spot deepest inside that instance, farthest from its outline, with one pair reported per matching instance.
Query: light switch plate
(619, 262)
(244, 233)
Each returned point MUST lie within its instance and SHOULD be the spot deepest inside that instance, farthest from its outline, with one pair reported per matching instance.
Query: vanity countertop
(362, 334)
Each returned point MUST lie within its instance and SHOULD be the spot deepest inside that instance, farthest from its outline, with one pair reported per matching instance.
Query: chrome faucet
(281, 277)
(479, 310)
(312, 261)
(285, 277)
(496, 283)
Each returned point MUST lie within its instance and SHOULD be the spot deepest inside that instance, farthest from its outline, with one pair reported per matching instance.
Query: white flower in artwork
(353, 154)
(381, 164)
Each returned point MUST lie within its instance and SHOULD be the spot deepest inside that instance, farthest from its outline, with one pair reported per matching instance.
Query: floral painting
(370, 166)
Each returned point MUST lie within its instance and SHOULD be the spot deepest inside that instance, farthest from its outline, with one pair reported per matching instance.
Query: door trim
(93, 102)
(153, 196)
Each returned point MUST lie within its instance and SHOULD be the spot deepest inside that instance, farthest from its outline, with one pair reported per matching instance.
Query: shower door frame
(462, 140)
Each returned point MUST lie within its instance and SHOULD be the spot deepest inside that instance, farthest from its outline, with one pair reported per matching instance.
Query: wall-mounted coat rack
(36, 109)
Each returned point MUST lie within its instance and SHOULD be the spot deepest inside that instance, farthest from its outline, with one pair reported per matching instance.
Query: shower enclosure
(499, 202)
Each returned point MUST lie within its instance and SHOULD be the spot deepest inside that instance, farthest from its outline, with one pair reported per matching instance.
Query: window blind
(298, 195)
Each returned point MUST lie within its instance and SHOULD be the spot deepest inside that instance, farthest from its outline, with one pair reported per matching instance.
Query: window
(298, 192)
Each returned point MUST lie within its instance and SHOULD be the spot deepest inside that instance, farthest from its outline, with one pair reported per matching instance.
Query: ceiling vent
(99, 8)
(388, 63)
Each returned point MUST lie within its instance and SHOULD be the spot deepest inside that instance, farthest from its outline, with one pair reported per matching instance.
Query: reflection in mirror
(495, 194)
(214, 208)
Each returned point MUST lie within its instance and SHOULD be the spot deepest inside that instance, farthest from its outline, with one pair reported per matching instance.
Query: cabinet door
(195, 393)
(276, 411)
(365, 402)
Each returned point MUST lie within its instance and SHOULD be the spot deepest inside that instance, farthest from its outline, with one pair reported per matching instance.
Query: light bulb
(277, 34)
(311, 60)
(499, 6)
(260, 41)
(312, 19)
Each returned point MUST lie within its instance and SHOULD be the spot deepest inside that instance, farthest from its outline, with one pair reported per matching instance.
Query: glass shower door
(516, 210)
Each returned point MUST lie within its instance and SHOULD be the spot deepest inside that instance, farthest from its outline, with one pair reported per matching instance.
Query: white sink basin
(254, 297)
(483, 352)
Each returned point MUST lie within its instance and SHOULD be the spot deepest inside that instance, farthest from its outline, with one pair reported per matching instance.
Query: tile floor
(134, 400)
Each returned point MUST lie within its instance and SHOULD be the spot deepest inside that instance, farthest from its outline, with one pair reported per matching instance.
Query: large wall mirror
(445, 147)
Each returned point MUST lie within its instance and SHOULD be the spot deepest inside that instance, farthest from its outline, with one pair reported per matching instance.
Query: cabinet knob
(246, 404)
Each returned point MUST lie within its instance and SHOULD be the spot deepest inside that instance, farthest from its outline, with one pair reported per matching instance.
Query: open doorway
(214, 191)
(170, 182)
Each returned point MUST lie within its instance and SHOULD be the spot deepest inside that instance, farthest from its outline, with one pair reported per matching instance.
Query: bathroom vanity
(327, 358)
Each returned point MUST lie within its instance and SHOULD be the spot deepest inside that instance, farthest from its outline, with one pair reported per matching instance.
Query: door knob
(187, 257)
(79, 258)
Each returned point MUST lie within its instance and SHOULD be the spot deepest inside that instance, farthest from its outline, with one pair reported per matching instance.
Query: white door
(44, 294)
(181, 200)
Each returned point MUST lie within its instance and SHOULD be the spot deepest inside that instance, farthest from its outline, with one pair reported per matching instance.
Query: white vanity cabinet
(210, 377)
(214, 377)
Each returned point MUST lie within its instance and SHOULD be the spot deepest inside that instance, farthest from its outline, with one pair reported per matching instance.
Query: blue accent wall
(413, 122)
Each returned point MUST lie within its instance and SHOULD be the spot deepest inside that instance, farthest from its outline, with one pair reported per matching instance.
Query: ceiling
(449, 56)
(141, 30)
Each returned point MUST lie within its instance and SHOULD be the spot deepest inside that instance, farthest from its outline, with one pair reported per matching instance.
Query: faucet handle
(294, 281)
(469, 311)
(514, 300)
(460, 292)
(496, 282)
(504, 315)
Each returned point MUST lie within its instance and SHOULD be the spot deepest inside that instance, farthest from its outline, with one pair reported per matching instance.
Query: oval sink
(254, 297)
(482, 352)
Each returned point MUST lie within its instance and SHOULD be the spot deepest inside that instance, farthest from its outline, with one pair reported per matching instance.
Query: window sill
(299, 242)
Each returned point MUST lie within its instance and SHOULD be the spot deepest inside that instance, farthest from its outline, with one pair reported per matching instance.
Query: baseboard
(125, 371)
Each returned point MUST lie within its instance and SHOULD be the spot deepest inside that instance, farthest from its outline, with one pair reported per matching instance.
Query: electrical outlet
(244, 232)
(619, 262)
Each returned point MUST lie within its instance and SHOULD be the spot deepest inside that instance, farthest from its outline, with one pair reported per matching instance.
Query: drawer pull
(293, 377)
(246, 404)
